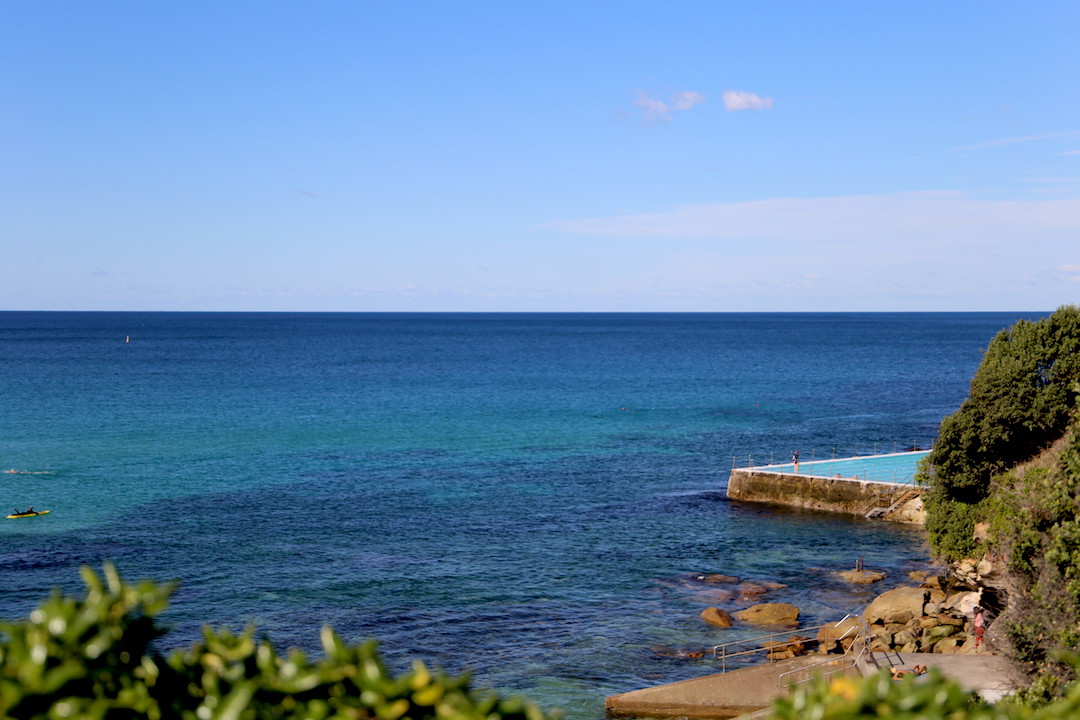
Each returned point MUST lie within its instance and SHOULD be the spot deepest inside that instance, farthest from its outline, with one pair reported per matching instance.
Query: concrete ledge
(724, 695)
(814, 492)
(745, 691)
(992, 677)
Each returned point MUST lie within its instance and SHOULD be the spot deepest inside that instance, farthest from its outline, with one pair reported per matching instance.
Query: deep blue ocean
(524, 496)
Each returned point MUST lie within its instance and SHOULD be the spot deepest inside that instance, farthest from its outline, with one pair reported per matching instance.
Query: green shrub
(1022, 398)
(90, 658)
(931, 697)
(84, 659)
(950, 524)
(1035, 521)
(1043, 690)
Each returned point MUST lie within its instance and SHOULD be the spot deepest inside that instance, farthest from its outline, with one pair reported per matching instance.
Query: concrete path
(741, 692)
(724, 695)
(991, 676)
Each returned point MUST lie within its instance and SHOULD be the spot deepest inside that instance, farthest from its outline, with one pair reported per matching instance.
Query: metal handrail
(721, 651)
(912, 492)
(862, 638)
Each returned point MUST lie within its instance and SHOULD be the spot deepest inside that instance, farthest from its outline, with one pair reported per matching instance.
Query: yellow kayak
(28, 514)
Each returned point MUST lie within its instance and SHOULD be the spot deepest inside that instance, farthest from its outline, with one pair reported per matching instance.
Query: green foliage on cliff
(90, 658)
(1022, 398)
(1035, 525)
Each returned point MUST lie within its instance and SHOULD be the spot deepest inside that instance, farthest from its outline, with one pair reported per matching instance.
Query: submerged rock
(751, 589)
(714, 578)
(669, 652)
(770, 614)
(862, 577)
(717, 617)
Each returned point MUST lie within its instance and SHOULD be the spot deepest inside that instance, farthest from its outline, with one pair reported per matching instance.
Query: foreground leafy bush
(91, 658)
(930, 697)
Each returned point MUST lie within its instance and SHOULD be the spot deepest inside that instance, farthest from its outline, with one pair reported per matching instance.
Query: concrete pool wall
(899, 502)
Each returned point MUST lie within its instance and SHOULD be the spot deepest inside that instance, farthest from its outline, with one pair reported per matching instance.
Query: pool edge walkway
(899, 502)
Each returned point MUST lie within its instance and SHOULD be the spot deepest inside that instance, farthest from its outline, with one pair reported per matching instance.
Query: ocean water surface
(527, 497)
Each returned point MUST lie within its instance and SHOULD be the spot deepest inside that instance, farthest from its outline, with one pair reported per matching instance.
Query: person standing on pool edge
(795, 460)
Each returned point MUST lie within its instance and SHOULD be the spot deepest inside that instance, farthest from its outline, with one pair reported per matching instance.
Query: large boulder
(904, 637)
(949, 646)
(717, 617)
(897, 605)
(770, 614)
(990, 569)
(941, 631)
(862, 577)
(964, 602)
(786, 649)
(844, 631)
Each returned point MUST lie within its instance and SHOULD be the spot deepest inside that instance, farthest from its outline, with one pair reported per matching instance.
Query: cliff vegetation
(1004, 479)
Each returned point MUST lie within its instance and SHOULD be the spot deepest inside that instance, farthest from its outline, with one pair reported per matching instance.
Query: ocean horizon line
(535, 312)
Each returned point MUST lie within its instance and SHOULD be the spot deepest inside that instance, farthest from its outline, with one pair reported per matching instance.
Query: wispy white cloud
(927, 250)
(736, 100)
(654, 110)
(1068, 273)
(1012, 141)
(687, 99)
(913, 218)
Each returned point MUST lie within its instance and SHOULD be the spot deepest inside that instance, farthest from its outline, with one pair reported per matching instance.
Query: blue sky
(527, 156)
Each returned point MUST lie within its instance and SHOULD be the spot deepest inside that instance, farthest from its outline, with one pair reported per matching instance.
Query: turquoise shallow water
(528, 497)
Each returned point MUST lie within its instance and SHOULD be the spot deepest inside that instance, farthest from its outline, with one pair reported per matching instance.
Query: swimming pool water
(894, 467)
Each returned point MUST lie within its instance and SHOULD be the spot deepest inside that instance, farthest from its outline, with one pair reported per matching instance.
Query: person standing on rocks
(980, 626)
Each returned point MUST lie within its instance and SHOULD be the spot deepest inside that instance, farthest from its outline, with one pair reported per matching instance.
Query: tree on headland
(1010, 457)
(1022, 398)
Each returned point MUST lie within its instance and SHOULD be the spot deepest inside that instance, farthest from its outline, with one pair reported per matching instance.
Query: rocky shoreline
(935, 614)
(926, 625)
